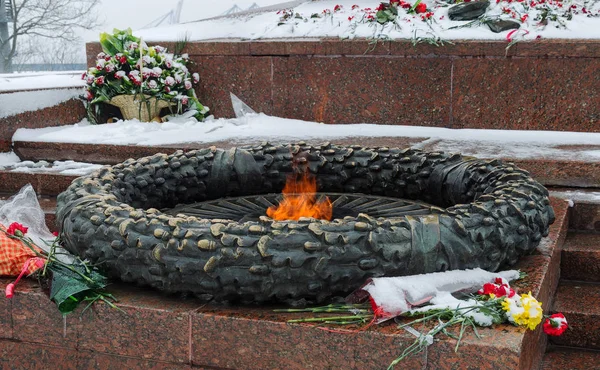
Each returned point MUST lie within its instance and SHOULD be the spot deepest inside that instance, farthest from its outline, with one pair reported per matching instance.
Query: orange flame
(300, 200)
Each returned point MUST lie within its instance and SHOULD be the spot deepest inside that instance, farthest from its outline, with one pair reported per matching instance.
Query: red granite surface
(559, 172)
(585, 217)
(43, 183)
(22, 355)
(363, 89)
(570, 359)
(507, 94)
(65, 113)
(112, 154)
(580, 303)
(549, 171)
(5, 319)
(541, 85)
(102, 154)
(33, 356)
(581, 257)
(250, 78)
(157, 331)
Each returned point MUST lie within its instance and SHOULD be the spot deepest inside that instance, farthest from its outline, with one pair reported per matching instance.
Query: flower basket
(139, 79)
(134, 106)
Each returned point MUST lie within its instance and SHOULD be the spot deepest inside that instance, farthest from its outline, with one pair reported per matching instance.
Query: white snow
(136, 14)
(8, 159)
(577, 195)
(445, 300)
(71, 168)
(26, 101)
(512, 144)
(45, 80)
(395, 295)
(11, 162)
(303, 24)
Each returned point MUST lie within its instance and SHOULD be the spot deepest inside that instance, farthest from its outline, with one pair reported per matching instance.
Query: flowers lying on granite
(128, 66)
(70, 283)
(555, 325)
(494, 303)
(523, 310)
(428, 20)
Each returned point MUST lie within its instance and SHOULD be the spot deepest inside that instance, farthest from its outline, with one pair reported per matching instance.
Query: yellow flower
(526, 311)
(532, 311)
(506, 304)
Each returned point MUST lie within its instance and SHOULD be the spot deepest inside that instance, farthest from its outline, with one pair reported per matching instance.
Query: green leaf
(69, 287)
(110, 44)
(412, 9)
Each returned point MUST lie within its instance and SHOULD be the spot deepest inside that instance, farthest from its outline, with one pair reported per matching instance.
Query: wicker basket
(133, 106)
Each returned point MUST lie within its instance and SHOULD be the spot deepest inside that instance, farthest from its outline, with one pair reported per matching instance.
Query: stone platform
(558, 165)
(535, 85)
(154, 331)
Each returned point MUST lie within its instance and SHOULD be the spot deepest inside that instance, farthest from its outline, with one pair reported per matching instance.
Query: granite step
(158, 331)
(48, 184)
(565, 358)
(585, 207)
(580, 258)
(580, 303)
(569, 167)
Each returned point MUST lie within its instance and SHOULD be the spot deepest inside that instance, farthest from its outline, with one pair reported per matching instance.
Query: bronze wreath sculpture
(487, 214)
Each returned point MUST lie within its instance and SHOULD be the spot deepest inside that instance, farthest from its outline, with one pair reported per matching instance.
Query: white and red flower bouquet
(466, 298)
(127, 66)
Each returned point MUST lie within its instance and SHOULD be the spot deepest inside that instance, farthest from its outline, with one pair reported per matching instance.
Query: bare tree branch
(50, 19)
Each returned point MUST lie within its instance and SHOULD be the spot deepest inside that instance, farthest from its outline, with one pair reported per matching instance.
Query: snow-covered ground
(317, 19)
(26, 101)
(257, 127)
(40, 80)
(137, 14)
(11, 162)
(577, 195)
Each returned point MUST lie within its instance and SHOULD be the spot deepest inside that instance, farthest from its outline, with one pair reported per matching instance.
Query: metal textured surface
(248, 208)
(487, 214)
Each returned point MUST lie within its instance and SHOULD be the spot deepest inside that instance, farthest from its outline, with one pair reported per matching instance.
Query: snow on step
(40, 80)
(10, 162)
(513, 144)
(27, 101)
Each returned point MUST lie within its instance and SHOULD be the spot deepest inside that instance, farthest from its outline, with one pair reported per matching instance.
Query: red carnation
(501, 281)
(99, 80)
(421, 8)
(555, 325)
(503, 290)
(380, 7)
(16, 229)
(488, 288)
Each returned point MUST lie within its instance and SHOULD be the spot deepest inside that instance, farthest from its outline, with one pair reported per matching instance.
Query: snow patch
(512, 144)
(45, 80)
(577, 196)
(7, 159)
(27, 101)
(11, 162)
